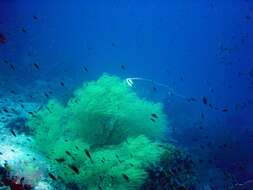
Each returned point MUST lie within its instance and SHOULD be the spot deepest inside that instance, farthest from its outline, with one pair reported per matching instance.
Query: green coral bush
(104, 137)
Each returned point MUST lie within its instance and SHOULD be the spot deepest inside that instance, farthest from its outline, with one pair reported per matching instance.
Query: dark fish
(62, 83)
(35, 17)
(113, 44)
(85, 68)
(74, 168)
(48, 109)
(88, 154)
(247, 17)
(181, 188)
(5, 110)
(122, 67)
(22, 180)
(36, 65)
(3, 39)
(225, 110)
(13, 133)
(118, 158)
(12, 67)
(23, 30)
(52, 176)
(13, 92)
(60, 160)
(126, 177)
(152, 119)
(31, 113)
(13, 110)
(251, 73)
(68, 153)
(191, 99)
(46, 94)
(204, 100)
(154, 115)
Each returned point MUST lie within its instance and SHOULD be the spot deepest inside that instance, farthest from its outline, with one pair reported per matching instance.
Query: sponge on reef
(104, 137)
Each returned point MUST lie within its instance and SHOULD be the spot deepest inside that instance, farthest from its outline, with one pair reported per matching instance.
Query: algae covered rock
(105, 137)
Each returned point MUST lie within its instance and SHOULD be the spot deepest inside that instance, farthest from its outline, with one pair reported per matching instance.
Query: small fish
(13, 92)
(60, 160)
(154, 115)
(68, 153)
(247, 17)
(52, 176)
(3, 39)
(122, 67)
(12, 67)
(22, 180)
(85, 69)
(152, 119)
(62, 83)
(202, 115)
(13, 110)
(113, 44)
(31, 113)
(74, 168)
(35, 17)
(224, 110)
(23, 30)
(251, 73)
(191, 99)
(36, 66)
(126, 177)
(88, 154)
(181, 188)
(5, 110)
(204, 100)
(118, 158)
(13, 133)
(46, 94)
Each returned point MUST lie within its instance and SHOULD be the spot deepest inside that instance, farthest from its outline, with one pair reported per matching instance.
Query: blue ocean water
(200, 49)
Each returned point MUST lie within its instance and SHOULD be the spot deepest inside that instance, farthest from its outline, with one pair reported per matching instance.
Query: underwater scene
(126, 95)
